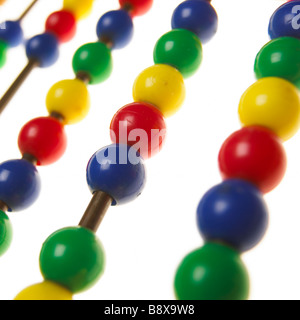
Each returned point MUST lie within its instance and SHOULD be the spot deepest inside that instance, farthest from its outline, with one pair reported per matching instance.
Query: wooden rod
(22, 16)
(17, 83)
(96, 211)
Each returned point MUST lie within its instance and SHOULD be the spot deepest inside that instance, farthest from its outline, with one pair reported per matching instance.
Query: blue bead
(44, 48)
(117, 27)
(285, 21)
(197, 16)
(233, 212)
(19, 184)
(11, 32)
(118, 171)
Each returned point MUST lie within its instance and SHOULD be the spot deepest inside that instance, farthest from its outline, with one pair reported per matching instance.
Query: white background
(146, 239)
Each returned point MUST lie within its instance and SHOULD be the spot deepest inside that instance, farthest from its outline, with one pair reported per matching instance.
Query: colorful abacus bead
(197, 16)
(255, 154)
(136, 7)
(43, 138)
(11, 33)
(117, 170)
(279, 58)
(72, 257)
(285, 21)
(19, 184)
(63, 24)
(80, 8)
(46, 290)
(93, 59)
(5, 232)
(272, 103)
(181, 49)
(115, 28)
(233, 213)
(3, 50)
(43, 48)
(70, 99)
(162, 86)
(213, 272)
(140, 125)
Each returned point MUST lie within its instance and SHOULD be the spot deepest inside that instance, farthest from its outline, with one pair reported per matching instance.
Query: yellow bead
(272, 103)
(70, 98)
(81, 8)
(162, 86)
(46, 290)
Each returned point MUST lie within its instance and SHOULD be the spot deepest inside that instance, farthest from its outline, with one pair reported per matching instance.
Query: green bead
(3, 50)
(181, 49)
(279, 58)
(213, 272)
(5, 232)
(72, 257)
(95, 60)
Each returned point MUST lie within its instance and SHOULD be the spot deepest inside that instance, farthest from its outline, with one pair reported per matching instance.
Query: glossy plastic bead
(162, 86)
(3, 50)
(272, 103)
(5, 233)
(136, 7)
(233, 212)
(19, 184)
(63, 24)
(95, 60)
(69, 98)
(43, 48)
(255, 154)
(280, 58)
(285, 21)
(80, 8)
(44, 138)
(213, 272)
(197, 16)
(46, 290)
(72, 257)
(118, 171)
(11, 33)
(140, 125)
(181, 49)
(116, 28)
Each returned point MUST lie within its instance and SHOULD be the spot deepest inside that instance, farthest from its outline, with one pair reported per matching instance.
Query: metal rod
(17, 84)
(96, 210)
(27, 10)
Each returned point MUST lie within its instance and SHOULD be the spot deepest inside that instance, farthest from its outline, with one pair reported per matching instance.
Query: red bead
(149, 121)
(63, 24)
(255, 154)
(44, 138)
(139, 7)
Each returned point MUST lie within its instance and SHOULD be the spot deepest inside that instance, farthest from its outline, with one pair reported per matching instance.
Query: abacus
(170, 138)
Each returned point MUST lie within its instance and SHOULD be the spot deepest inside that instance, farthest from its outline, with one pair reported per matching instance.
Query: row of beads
(118, 169)
(42, 141)
(232, 217)
(60, 27)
